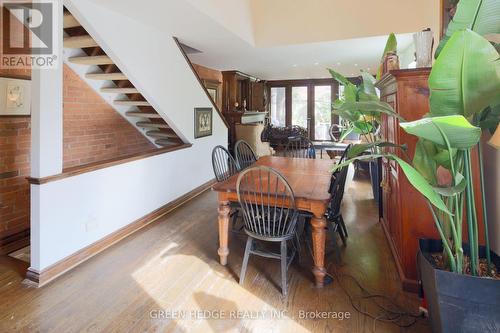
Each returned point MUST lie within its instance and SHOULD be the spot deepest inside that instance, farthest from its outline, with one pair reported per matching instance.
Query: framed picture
(15, 97)
(202, 122)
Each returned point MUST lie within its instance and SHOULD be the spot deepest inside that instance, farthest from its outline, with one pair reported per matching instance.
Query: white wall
(75, 212)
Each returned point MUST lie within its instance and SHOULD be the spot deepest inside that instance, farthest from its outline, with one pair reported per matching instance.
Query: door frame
(310, 84)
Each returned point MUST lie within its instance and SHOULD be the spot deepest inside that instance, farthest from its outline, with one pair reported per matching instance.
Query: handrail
(200, 81)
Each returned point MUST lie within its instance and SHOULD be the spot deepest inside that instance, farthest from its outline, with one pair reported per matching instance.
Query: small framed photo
(15, 97)
(202, 122)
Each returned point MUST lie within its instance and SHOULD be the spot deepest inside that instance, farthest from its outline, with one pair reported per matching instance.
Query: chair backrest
(245, 155)
(300, 147)
(335, 174)
(337, 192)
(267, 202)
(223, 163)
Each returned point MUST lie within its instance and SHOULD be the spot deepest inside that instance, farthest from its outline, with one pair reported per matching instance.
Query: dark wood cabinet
(239, 89)
(407, 92)
(406, 216)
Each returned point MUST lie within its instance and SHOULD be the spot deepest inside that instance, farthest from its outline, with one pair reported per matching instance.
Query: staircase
(114, 82)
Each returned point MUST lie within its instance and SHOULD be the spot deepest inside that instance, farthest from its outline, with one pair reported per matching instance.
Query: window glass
(322, 112)
(299, 106)
(278, 106)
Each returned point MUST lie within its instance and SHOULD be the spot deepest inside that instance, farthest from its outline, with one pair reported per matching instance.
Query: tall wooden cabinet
(406, 216)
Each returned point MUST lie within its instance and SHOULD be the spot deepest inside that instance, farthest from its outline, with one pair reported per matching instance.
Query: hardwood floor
(172, 265)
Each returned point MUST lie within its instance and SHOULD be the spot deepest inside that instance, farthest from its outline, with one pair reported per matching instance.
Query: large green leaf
(362, 127)
(456, 129)
(481, 16)
(421, 185)
(368, 86)
(370, 108)
(490, 117)
(453, 190)
(390, 46)
(465, 78)
(413, 176)
(360, 148)
(442, 157)
(423, 161)
(339, 77)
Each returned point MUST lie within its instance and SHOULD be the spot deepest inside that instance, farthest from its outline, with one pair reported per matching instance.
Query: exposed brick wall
(93, 130)
(15, 141)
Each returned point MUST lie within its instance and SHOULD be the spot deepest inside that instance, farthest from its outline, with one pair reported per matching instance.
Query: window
(305, 103)
(278, 113)
(299, 106)
(322, 112)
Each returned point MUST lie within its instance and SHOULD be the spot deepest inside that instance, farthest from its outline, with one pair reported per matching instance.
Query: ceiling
(232, 33)
(302, 61)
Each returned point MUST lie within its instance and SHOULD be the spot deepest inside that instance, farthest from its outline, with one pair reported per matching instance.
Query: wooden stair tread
(131, 103)
(147, 124)
(161, 134)
(142, 114)
(78, 42)
(118, 90)
(95, 60)
(106, 76)
(167, 142)
(69, 21)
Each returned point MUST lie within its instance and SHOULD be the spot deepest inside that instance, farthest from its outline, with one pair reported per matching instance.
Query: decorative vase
(424, 41)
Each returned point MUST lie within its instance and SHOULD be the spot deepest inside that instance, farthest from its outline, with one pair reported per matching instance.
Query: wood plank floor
(172, 265)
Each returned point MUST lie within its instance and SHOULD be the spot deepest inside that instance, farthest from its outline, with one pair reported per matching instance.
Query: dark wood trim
(310, 84)
(50, 273)
(300, 82)
(200, 81)
(15, 242)
(408, 284)
(74, 171)
(16, 77)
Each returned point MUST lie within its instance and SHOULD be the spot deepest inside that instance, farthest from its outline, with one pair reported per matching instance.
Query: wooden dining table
(309, 180)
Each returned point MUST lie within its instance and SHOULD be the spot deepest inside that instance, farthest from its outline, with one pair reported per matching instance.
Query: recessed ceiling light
(355, 65)
(338, 63)
(316, 63)
(294, 65)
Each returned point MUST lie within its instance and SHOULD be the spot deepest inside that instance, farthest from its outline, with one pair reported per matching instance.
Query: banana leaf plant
(464, 85)
(481, 16)
(360, 107)
(390, 46)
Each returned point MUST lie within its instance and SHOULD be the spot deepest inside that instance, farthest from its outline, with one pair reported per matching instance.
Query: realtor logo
(28, 34)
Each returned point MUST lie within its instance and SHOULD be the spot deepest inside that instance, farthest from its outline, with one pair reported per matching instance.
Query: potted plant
(359, 108)
(460, 278)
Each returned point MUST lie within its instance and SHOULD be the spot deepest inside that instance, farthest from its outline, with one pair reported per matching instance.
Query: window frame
(310, 84)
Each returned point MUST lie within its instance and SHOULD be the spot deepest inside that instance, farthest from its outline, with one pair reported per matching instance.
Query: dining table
(309, 180)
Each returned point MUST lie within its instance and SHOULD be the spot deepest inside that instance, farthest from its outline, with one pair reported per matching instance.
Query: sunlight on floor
(215, 301)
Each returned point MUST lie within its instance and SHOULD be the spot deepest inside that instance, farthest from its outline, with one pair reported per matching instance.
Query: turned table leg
(224, 211)
(319, 239)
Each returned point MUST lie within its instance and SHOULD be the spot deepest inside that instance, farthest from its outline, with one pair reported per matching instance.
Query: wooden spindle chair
(300, 147)
(270, 215)
(245, 155)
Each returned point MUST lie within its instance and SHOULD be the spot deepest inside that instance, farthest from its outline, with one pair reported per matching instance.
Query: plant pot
(457, 302)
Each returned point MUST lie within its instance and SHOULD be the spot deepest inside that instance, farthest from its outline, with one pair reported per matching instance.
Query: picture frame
(203, 122)
(15, 97)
